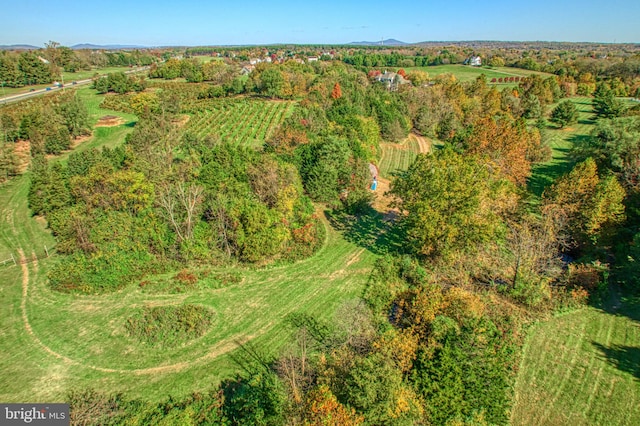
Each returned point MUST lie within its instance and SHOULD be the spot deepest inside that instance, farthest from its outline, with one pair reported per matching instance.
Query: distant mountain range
(387, 42)
(18, 47)
(106, 46)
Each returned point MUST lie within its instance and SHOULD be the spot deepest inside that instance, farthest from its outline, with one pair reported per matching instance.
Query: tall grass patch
(169, 325)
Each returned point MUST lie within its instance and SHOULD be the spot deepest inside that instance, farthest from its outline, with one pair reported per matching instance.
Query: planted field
(582, 368)
(397, 157)
(239, 121)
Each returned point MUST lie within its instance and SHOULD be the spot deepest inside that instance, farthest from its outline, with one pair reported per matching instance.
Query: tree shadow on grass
(624, 358)
(251, 358)
(543, 175)
(620, 301)
(579, 143)
(368, 229)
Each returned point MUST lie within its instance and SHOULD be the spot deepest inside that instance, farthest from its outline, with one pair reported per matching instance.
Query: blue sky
(188, 22)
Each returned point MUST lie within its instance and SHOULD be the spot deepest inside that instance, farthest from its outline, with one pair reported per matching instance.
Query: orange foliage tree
(506, 145)
(324, 409)
(337, 91)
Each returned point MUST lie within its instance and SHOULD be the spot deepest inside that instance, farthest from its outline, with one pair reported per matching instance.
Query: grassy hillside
(469, 73)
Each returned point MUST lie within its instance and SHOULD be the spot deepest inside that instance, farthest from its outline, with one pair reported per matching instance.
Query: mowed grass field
(582, 368)
(397, 157)
(562, 142)
(469, 73)
(53, 342)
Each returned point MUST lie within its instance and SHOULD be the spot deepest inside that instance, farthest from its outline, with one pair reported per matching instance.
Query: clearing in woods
(396, 157)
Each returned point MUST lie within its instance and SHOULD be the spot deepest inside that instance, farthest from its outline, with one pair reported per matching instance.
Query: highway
(21, 96)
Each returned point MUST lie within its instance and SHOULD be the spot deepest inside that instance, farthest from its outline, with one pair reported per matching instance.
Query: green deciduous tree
(615, 145)
(271, 82)
(75, 116)
(451, 203)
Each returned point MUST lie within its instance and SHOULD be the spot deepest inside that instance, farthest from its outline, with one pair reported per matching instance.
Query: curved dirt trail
(423, 143)
(221, 348)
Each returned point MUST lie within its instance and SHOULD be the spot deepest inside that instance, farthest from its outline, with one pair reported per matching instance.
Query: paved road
(38, 92)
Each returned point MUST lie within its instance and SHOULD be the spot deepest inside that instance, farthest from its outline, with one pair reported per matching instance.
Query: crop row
(249, 122)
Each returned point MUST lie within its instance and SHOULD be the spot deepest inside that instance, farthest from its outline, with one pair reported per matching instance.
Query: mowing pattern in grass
(397, 157)
(240, 121)
(582, 368)
(168, 326)
(561, 142)
(86, 338)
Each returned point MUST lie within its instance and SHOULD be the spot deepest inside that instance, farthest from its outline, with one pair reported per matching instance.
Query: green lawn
(582, 368)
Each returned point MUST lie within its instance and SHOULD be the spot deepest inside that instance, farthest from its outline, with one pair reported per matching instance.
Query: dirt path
(221, 348)
(423, 143)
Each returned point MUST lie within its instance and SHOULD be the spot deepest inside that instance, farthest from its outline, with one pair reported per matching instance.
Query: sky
(233, 22)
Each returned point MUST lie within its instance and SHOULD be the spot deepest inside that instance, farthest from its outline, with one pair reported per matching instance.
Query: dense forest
(472, 255)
